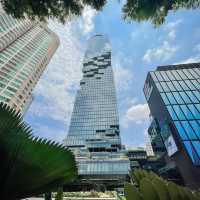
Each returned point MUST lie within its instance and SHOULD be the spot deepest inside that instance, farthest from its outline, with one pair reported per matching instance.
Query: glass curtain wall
(180, 92)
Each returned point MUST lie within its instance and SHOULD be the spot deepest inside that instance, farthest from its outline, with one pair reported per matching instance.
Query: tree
(29, 165)
(154, 10)
(59, 194)
(44, 9)
(150, 186)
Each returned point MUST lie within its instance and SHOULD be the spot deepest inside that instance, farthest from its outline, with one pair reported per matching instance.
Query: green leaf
(147, 189)
(30, 165)
(131, 192)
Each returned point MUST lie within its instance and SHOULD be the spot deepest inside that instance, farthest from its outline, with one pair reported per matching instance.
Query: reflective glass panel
(185, 97)
(179, 112)
(164, 97)
(194, 111)
(183, 85)
(196, 145)
(171, 98)
(181, 131)
(196, 127)
(171, 86)
(189, 130)
(192, 153)
(187, 112)
(172, 113)
(178, 98)
(177, 85)
(192, 96)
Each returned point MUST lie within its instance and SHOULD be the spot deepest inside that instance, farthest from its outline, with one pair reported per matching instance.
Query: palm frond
(30, 165)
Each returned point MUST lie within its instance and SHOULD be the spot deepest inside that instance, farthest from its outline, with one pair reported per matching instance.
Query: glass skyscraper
(173, 96)
(94, 133)
(26, 47)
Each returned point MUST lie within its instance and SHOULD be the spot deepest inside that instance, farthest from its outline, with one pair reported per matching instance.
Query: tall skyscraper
(94, 133)
(173, 96)
(26, 47)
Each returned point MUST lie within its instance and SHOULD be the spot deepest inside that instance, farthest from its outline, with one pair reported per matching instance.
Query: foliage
(161, 188)
(131, 192)
(47, 196)
(173, 191)
(152, 187)
(148, 190)
(29, 165)
(106, 194)
(154, 10)
(43, 9)
(59, 195)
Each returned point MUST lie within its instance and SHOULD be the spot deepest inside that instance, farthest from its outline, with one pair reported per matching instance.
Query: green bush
(152, 187)
(147, 189)
(161, 188)
(59, 195)
(173, 191)
(30, 165)
(131, 192)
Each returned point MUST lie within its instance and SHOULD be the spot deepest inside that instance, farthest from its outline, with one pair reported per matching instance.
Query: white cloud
(136, 114)
(166, 49)
(162, 53)
(54, 134)
(86, 23)
(56, 89)
(122, 74)
(123, 78)
(197, 48)
(192, 59)
(171, 27)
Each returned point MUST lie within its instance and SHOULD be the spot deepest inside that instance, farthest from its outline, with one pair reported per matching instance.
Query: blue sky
(136, 49)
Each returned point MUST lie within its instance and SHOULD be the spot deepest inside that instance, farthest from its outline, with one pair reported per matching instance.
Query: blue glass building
(94, 134)
(173, 96)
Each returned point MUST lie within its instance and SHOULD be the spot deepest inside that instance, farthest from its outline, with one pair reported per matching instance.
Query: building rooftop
(178, 66)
